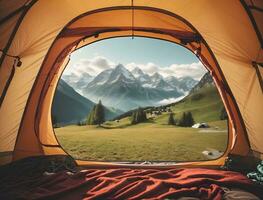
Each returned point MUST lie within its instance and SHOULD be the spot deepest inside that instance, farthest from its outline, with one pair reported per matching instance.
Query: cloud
(92, 66)
(170, 100)
(97, 64)
(195, 70)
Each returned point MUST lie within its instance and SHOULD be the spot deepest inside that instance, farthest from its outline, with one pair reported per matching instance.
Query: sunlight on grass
(142, 142)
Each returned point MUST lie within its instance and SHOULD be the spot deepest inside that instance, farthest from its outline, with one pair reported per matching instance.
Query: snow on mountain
(124, 89)
(187, 83)
(156, 77)
(101, 78)
(161, 84)
(120, 73)
(141, 76)
(172, 81)
(137, 72)
(78, 82)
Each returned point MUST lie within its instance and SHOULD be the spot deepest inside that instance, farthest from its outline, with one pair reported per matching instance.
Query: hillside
(205, 105)
(203, 101)
(69, 107)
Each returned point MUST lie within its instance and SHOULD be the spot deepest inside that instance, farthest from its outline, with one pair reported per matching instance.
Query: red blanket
(132, 184)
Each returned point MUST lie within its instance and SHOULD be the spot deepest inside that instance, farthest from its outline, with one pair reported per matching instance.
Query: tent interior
(37, 37)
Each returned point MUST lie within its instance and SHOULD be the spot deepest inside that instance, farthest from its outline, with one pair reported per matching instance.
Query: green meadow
(153, 140)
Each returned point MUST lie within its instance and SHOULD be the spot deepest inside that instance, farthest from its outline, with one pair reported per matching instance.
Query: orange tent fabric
(37, 37)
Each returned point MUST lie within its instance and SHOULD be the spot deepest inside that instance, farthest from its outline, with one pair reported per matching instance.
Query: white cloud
(170, 100)
(92, 66)
(195, 70)
(98, 63)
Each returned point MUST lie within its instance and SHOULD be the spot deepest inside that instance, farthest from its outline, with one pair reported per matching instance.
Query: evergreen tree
(138, 116)
(189, 119)
(97, 115)
(223, 114)
(133, 117)
(186, 120)
(171, 120)
(182, 120)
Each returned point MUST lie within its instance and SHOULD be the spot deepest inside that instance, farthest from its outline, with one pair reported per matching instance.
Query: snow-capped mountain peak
(137, 72)
(119, 87)
(156, 77)
(101, 78)
(121, 72)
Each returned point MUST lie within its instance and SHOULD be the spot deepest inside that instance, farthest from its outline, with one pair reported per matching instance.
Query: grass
(154, 140)
(142, 142)
(205, 105)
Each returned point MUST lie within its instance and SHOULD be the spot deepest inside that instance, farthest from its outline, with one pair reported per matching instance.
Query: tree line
(97, 117)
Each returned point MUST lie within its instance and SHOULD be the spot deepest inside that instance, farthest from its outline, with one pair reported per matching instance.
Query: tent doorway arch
(186, 36)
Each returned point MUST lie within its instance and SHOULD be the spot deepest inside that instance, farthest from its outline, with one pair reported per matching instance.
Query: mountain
(101, 78)
(78, 82)
(203, 101)
(122, 89)
(183, 84)
(137, 72)
(69, 107)
(121, 74)
(205, 81)
(142, 77)
(186, 83)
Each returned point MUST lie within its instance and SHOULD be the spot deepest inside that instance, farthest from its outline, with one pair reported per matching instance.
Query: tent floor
(32, 179)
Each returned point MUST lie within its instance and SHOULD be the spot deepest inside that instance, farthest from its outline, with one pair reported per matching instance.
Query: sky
(150, 55)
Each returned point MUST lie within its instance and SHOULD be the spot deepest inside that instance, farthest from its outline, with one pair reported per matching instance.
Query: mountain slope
(69, 107)
(203, 101)
(205, 81)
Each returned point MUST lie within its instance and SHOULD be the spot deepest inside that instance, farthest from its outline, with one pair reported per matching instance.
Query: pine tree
(171, 120)
(182, 120)
(138, 116)
(186, 120)
(189, 119)
(133, 118)
(97, 115)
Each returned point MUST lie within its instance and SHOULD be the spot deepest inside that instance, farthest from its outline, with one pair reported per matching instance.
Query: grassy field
(155, 140)
(142, 142)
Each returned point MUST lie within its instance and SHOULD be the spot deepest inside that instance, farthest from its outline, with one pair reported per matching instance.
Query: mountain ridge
(124, 89)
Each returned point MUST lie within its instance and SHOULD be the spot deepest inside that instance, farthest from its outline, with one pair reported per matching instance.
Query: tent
(37, 37)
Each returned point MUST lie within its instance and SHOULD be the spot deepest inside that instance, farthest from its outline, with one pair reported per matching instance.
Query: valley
(154, 140)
